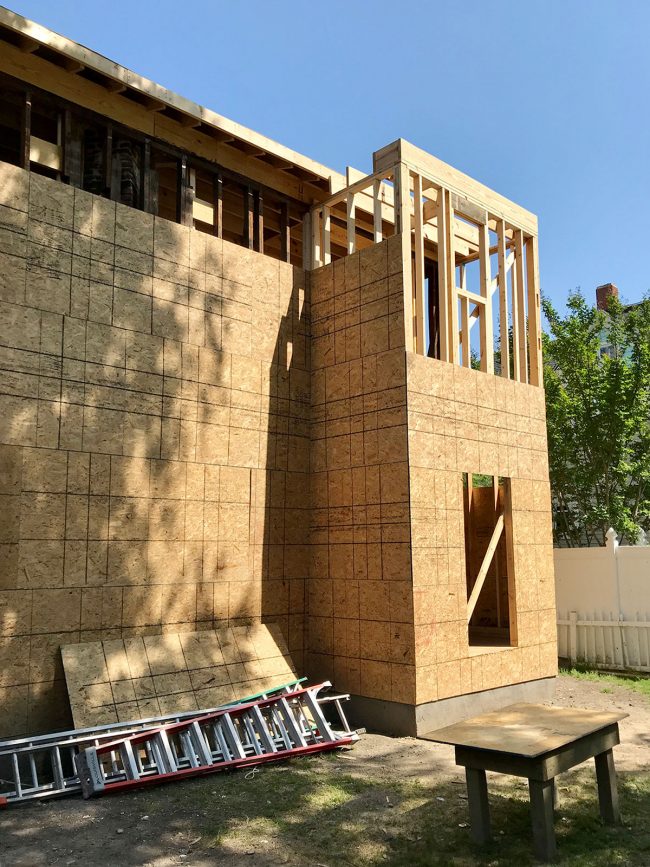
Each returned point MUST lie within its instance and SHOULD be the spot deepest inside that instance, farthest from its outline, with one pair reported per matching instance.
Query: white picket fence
(605, 642)
(603, 605)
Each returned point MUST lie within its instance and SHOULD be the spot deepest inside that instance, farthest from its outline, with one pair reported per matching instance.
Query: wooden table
(537, 742)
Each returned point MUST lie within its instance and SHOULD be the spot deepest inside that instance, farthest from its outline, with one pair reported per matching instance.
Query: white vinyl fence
(603, 605)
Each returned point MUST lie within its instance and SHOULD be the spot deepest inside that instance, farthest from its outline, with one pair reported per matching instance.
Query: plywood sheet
(525, 729)
(144, 676)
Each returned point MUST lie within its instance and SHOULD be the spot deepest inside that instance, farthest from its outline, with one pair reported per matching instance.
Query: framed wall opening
(489, 561)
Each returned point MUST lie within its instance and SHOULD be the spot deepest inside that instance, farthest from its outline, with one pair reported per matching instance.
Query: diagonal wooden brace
(485, 565)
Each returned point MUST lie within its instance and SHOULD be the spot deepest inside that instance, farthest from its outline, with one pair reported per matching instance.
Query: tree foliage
(598, 419)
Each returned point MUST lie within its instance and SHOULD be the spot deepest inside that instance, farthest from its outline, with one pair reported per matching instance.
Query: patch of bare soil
(242, 819)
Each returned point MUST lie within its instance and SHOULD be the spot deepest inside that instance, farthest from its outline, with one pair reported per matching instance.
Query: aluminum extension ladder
(43, 766)
(269, 729)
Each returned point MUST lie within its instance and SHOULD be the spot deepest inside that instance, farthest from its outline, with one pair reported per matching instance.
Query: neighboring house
(236, 386)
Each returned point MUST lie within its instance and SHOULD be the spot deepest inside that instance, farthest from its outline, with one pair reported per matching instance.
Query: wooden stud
(185, 193)
(316, 234)
(26, 131)
(502, 281)
(108, 163)
(534, 313)
(497, 559)
(443, 280)
(516, 357)
(259, 221)
(218, 205)
(327, 236)
(402, 182)
(147, 178)
(452, 293)
(521, 305)
(420, 299)
(285, 233)
(249, 218)
(486, 326)
(510, 562)
(351, 213)
(464, 330)
(308, 241)
(378, 234)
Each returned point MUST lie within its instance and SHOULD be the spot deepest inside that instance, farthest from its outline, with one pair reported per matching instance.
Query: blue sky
(546, 102)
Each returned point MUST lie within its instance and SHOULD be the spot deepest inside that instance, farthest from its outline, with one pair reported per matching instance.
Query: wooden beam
(152, 104)
(26, 44)
(485, 565)
(446, 176)
(72, 65)
(116, 87)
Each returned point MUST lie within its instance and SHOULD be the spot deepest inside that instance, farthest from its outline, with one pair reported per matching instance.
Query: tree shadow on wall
(153, 436)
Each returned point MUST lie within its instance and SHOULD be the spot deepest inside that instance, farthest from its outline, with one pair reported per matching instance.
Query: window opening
(488, 560)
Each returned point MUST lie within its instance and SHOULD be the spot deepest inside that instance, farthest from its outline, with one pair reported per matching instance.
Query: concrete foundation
(396, 718)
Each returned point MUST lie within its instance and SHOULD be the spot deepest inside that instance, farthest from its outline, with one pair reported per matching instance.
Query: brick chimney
(603, 293)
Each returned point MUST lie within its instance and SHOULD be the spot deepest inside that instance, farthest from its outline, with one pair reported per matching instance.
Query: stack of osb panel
(139, 677)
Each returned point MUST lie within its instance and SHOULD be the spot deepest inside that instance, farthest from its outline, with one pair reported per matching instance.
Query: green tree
(597, 381)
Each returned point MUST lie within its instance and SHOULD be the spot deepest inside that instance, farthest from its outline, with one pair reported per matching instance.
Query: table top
(528, 730)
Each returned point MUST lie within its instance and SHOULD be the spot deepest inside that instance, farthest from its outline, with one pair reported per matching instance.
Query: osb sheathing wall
(360, 625)
(154, 442)
(465, 421)
(392, 433)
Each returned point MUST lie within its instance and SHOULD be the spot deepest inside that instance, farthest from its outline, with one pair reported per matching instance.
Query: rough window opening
(488, 560)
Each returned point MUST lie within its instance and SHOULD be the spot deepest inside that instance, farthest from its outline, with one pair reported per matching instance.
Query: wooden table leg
(541, 813)
(607, 789)
(479, 809)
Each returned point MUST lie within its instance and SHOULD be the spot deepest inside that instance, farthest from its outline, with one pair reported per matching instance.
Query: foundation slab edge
(405, 720)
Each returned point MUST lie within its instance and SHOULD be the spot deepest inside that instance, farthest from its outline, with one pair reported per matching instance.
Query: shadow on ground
(323, 811)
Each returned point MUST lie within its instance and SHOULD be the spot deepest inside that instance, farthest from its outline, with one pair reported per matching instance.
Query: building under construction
(238, 386)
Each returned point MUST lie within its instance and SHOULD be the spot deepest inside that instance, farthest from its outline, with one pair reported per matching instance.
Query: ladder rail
(248, 734)
(277, 725)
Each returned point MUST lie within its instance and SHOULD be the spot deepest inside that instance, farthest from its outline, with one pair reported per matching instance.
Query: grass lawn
(637, 683)
(320, 815)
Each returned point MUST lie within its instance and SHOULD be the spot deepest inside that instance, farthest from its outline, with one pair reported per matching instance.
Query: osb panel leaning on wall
(154, 452)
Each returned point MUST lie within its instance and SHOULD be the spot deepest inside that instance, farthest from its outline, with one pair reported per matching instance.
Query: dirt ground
(355, 807)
